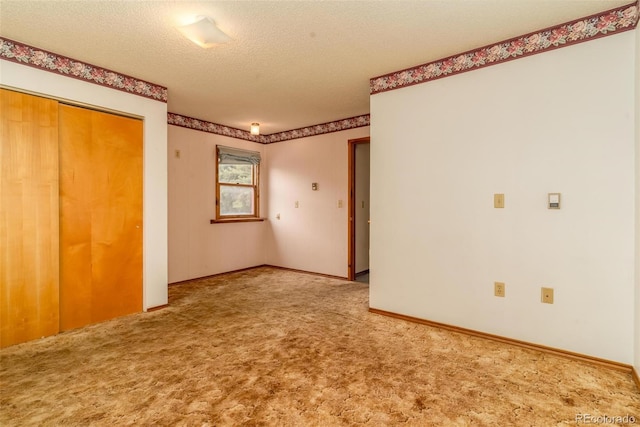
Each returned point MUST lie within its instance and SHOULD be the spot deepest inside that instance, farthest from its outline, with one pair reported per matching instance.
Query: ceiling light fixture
(204, 32)
(255, 128)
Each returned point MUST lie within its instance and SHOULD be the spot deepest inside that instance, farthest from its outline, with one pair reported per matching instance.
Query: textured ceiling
(290, 63)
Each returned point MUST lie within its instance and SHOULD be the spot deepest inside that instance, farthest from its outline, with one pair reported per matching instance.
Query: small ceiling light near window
(204, 32)
(255, 128)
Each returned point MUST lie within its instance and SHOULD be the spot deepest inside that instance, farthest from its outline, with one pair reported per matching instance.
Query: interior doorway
(359, 173)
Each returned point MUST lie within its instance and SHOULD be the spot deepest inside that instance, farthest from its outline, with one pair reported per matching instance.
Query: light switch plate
(553, 201)
(498, 200)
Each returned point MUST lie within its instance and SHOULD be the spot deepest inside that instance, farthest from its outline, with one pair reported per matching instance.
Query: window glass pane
(236, 200)
(235, 174)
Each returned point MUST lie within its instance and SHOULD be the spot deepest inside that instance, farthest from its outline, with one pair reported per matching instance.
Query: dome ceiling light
(204, 32)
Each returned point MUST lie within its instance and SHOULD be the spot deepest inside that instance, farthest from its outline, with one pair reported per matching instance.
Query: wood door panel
(101, 216)
(117, 216)
(29, 226)
(76, 166)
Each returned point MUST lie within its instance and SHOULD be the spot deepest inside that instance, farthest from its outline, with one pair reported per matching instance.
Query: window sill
(229, 220)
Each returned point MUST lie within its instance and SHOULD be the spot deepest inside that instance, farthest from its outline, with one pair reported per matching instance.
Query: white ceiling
(291, 63)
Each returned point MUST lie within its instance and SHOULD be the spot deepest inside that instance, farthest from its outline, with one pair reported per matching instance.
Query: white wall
(362, 205)
(196, 247)
(561, 121)
(312, 237)
(637, 191)
(155, 157)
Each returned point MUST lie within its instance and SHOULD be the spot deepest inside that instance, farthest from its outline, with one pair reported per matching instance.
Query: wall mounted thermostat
(553, 201)
(314, 186)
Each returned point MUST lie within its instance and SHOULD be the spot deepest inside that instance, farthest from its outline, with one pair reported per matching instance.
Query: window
(237, 192)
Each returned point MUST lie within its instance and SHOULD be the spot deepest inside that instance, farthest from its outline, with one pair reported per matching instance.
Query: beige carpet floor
(269, 347)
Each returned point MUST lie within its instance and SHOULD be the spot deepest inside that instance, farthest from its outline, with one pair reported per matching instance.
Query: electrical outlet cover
(498, 289)
(547, 295)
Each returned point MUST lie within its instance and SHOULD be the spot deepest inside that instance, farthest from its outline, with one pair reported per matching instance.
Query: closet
(70, 216)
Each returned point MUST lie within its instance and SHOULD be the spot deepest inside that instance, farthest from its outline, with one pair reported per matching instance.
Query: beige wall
(196, 247)
(637, 191)
(312, 237)
(561, 121)
(362, 205)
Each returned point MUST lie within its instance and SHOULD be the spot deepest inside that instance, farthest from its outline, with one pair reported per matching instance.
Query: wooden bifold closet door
(70, 217)
(100, 216)
(28, 217)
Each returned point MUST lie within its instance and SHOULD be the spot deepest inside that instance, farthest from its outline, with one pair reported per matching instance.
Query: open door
(358, 246)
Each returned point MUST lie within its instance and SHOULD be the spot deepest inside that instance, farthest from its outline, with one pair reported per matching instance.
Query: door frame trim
(351, 226)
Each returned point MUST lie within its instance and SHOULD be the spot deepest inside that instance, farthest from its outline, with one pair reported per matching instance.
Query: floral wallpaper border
(14, 51)
(602, 24)
(204, 126)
